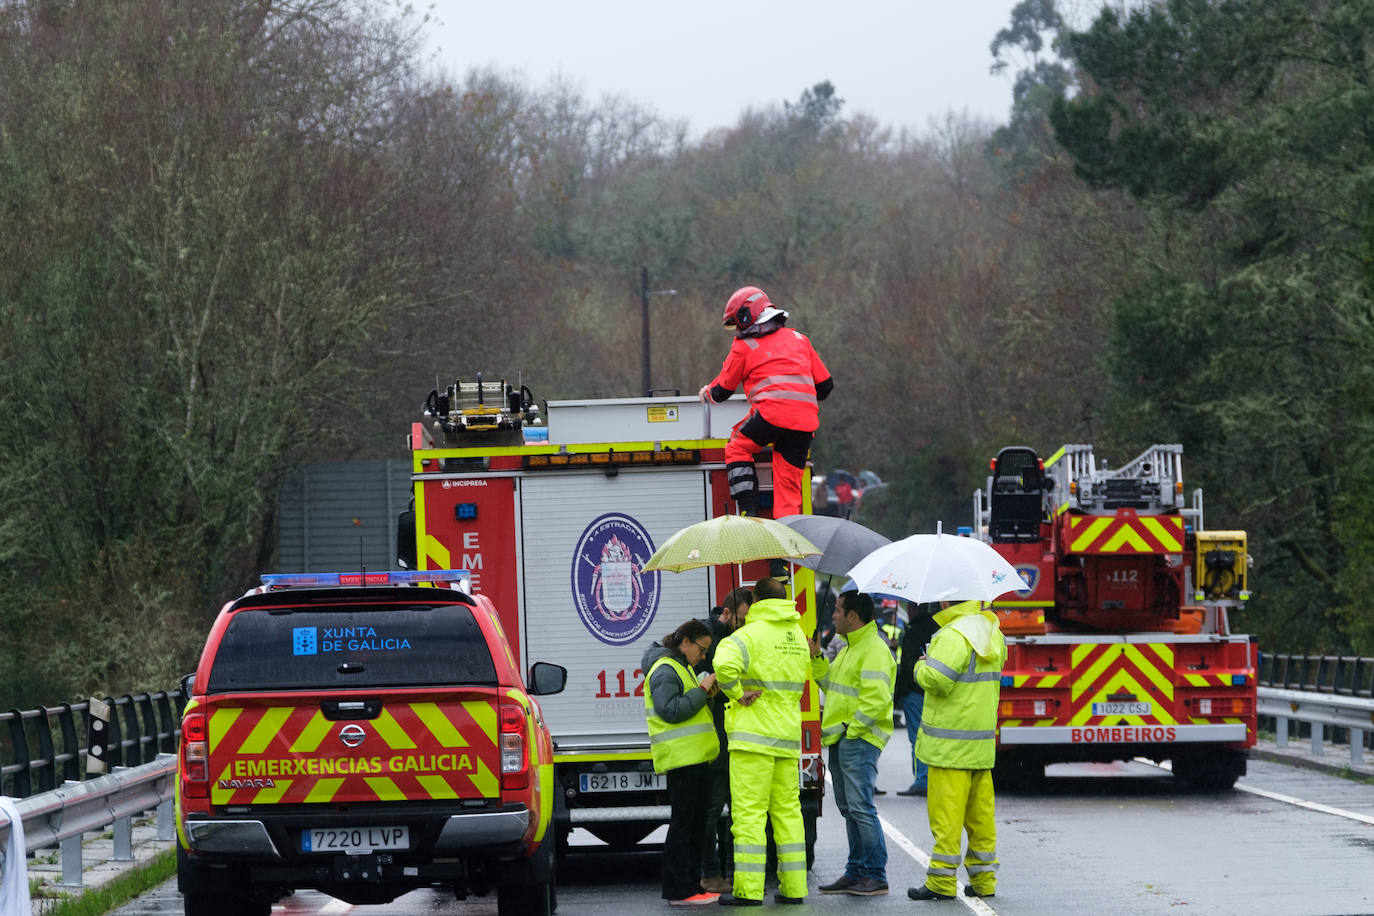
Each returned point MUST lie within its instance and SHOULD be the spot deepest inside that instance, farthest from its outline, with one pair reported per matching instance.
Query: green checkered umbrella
(729, 539)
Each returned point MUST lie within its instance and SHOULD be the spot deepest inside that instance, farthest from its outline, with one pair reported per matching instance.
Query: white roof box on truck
(643, 419)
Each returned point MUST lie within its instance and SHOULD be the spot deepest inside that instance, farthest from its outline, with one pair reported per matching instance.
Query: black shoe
(839, 885)
(732, 900)
(910, 791)
(922, 893)
(970, 892)
(783, 898)
(868, 887)
(879, 791)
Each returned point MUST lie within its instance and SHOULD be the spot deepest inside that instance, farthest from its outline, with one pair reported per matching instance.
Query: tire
(1216, 771)
(1016, 773)
(531, 897)
(203, 895)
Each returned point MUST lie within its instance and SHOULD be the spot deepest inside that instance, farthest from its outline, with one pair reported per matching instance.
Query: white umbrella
(936, 567)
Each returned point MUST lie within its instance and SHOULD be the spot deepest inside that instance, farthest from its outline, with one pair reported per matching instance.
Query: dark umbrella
(842, 543)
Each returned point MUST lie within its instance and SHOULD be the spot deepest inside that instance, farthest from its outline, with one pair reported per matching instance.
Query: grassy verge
(116, 893)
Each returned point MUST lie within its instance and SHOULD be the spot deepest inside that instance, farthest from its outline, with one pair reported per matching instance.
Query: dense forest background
(239, 234)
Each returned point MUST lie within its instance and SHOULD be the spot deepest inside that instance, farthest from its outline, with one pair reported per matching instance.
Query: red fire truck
(555, 523)
(1119, 646)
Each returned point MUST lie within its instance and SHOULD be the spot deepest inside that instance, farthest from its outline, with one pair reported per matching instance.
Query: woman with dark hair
(682, 741)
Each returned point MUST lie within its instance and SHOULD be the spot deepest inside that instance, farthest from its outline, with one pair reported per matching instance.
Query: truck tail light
(195, 764)
(1024, 709)
(515, 764)
(1224, 706)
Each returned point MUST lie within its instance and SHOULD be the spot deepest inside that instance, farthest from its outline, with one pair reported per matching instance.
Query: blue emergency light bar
(388, 577)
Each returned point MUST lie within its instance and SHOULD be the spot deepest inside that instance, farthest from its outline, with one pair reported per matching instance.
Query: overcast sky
(706, 61)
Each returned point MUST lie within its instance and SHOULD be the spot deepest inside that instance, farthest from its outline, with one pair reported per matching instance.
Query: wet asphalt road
(1092, 839)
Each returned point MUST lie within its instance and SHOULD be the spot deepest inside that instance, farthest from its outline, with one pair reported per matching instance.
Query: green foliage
(183, 285)
(117, 892)
(1024, 144)
(1240, 128)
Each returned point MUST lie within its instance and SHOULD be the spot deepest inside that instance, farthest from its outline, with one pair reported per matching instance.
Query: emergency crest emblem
(616, 598)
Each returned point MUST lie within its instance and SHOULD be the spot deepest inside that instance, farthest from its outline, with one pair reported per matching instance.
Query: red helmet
(749, 305)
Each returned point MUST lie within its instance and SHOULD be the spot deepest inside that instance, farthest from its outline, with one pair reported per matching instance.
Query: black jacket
(919, 629)
(718, 632)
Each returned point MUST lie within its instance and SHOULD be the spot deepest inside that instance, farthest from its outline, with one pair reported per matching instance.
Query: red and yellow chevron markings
(414, 751)
(1124, 533)
(1141, 670)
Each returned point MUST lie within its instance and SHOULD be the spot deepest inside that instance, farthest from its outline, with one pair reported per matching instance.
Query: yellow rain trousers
(958, 799)
(763, 786)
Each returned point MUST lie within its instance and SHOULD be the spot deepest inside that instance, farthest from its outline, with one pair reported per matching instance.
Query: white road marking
(336, 906)
(1285, 799)
(1311, 806)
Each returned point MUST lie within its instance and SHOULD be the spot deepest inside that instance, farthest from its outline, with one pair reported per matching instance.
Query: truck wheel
(531, 897)
(1216, 771)
(209, 892)
(1015, 773)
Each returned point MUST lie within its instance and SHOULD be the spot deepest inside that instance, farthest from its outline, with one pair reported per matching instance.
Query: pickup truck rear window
(347, 646)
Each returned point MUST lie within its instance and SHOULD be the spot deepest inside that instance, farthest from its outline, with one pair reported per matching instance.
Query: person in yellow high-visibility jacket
(682, 743)
(961, 676)
(856, 723)
(763, 668)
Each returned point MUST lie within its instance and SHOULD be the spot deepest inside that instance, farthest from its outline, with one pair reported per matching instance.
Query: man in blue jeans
(920, 628)
(856, 722)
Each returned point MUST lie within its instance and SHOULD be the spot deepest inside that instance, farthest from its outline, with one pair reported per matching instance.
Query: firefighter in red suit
(784, 379)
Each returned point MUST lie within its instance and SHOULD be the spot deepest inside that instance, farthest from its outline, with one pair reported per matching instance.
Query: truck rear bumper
(1218, 733)
(622, 813)
(460, 832)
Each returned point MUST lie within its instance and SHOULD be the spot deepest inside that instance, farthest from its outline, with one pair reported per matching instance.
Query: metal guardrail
(47, 746)
(1319, 710)
(59, 817)
(1343, 675)
(1321, 691)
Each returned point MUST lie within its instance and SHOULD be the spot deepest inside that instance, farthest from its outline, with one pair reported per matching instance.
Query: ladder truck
(1119, 645)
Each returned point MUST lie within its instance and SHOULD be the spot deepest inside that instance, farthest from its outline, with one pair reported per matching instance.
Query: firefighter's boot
(744, 486)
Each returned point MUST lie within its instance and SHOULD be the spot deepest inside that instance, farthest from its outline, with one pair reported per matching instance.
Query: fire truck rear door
(588, 603)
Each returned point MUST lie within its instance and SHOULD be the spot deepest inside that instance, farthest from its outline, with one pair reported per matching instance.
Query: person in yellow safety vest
(682, 742)
(856, 723)
(961, 676)
(717, 850)
(763, 668)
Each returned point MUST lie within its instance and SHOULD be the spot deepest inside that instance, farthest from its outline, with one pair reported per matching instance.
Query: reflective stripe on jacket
(779, 372)
(961, 676)
(858, 688)
(679, 744)
(769, 654)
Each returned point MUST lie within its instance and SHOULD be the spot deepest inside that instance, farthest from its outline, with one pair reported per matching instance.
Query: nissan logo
(352, 735)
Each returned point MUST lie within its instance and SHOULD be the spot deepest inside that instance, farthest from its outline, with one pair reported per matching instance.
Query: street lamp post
(644, 294)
